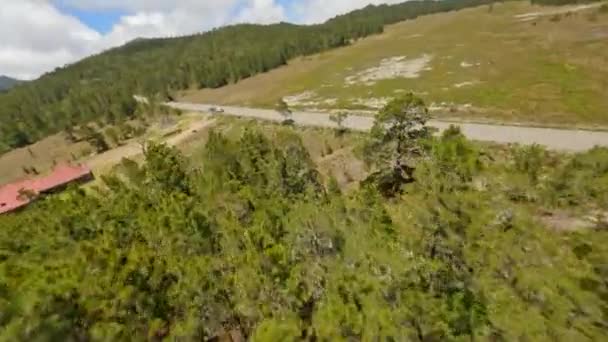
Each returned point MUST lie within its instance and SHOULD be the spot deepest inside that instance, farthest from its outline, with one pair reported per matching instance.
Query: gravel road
(555, 139)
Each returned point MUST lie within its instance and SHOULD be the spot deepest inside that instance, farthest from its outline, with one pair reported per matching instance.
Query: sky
(37, 36)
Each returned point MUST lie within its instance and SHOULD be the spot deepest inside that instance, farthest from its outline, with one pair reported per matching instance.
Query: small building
(17, 195)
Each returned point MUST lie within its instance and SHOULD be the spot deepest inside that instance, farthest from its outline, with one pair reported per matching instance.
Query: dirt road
(555, 139)
(134, 148)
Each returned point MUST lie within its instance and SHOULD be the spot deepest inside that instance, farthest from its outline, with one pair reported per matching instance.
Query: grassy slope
(541, 71)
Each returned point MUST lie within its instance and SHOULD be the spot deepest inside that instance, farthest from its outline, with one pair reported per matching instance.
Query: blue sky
(101, 21)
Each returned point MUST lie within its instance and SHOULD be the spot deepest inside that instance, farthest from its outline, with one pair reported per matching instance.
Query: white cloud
(195, 6)
(316, 11)
(261, 11)
(35, 37)
(186, 17)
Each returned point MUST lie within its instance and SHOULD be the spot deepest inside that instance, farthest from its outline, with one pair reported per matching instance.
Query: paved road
(556, 139)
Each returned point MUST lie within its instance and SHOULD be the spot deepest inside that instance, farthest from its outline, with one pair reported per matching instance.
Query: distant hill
(7, 82)
(101, 87)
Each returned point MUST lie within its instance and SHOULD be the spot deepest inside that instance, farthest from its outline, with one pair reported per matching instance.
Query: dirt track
(556, 139)
(133, 148)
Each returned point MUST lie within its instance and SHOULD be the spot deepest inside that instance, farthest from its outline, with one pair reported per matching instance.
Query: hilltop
(507, 62)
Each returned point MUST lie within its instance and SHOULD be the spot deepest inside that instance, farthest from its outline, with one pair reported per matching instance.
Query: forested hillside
(446, 241)
(101, 87)
(6, 83)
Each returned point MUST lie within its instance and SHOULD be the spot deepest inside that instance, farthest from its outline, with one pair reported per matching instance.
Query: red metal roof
(11, 200)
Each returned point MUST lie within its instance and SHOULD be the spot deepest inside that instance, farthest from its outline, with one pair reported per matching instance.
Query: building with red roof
(17, 195)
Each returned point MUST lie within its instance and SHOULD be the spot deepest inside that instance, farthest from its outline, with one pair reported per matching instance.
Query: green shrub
(394, 146)
(529, 160)
(453, 153)
(582, 179)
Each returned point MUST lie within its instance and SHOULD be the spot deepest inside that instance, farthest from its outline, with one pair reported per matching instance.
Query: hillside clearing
(390, 68)
(486, 66)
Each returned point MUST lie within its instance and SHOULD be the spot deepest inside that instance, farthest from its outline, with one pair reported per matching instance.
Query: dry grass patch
(42, 156)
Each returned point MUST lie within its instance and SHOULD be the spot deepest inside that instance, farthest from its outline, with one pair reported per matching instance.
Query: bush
(288, 122)
(530, 160)
(582, 179)
(556, 18)
(338, 119)
(394, 146)
(454, 154)
(113, 136)
(328, 150)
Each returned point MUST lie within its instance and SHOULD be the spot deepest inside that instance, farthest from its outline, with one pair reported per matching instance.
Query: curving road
(555, 139)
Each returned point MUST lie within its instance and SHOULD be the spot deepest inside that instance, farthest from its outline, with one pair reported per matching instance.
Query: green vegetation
(101, 88)
(395, 143)
(482, 66)
(257, 234)
(247, 238)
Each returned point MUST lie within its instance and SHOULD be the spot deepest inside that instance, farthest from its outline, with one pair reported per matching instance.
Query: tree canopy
(248, 241)
(396, 142)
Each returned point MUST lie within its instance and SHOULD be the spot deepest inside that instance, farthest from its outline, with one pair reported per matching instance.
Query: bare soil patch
(374, 103)
(309, 99)
(562, 10)
(563, 221)
(390, 68)
(134, 148)
(344, 166)
(465, 84)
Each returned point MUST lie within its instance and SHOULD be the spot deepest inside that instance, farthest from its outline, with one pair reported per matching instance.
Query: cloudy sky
(37, 36)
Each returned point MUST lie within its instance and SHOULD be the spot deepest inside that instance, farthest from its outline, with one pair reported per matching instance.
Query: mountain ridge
(7, 83)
